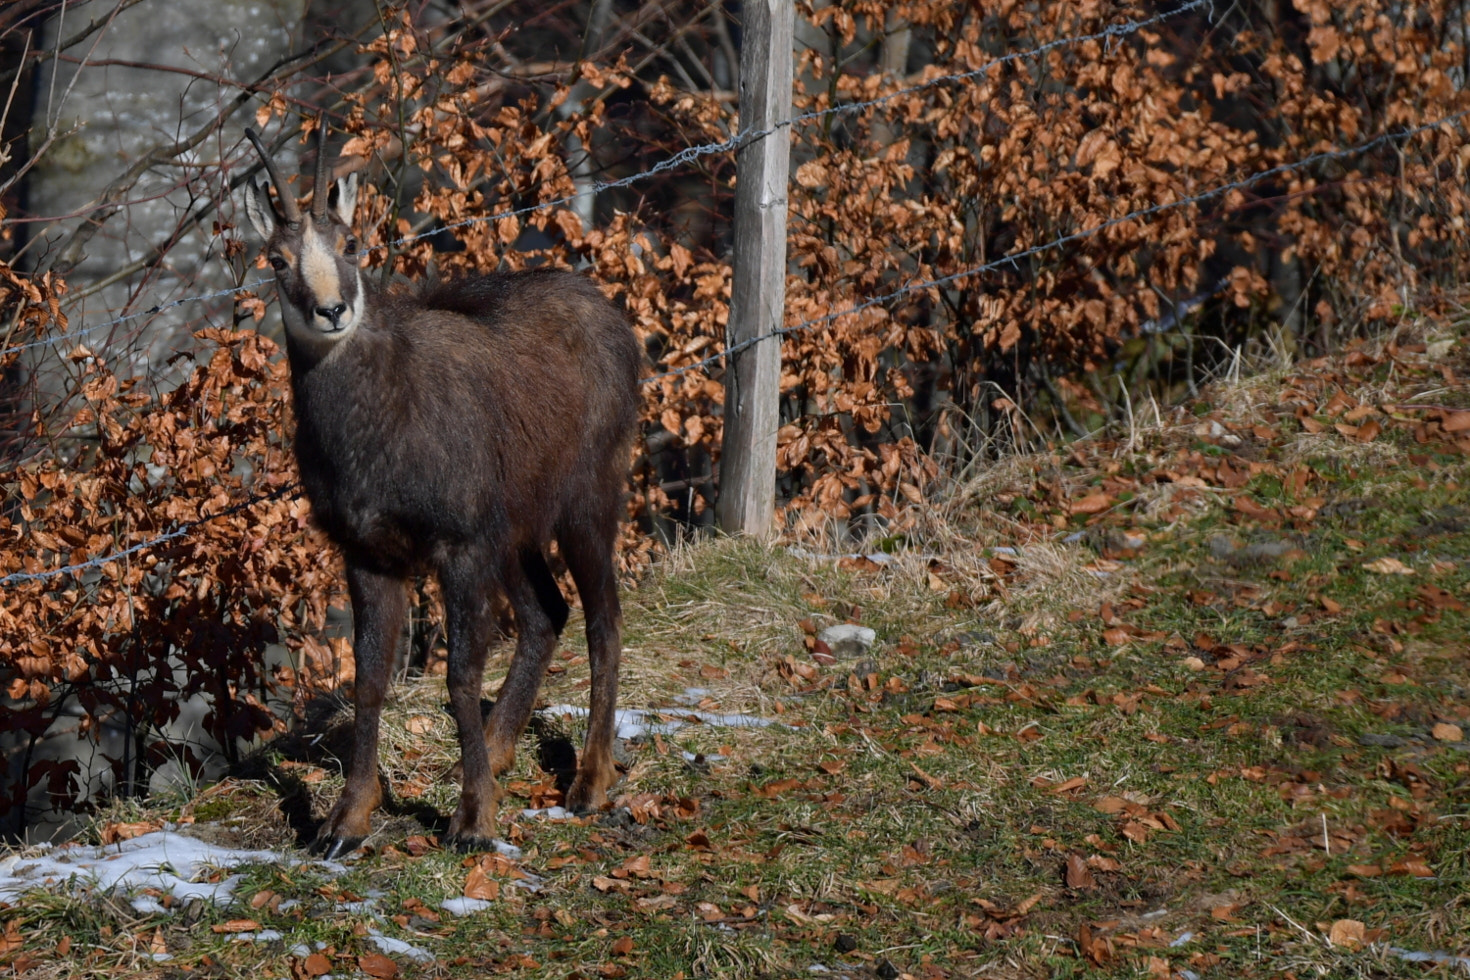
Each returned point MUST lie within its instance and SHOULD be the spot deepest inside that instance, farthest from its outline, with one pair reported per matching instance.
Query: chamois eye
(350, 248)
(278, 263)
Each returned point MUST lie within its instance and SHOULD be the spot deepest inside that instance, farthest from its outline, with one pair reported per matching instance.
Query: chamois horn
(320, 190)
(289, 210)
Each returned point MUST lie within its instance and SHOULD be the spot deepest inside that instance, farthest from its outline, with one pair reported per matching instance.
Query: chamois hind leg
(541, 613)
(589, 554)
(468, 583)
(378, 606)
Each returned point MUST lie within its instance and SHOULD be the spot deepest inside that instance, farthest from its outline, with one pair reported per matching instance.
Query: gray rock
(848, 639)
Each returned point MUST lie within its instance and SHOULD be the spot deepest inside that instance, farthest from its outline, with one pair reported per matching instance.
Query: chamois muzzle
(333, 314)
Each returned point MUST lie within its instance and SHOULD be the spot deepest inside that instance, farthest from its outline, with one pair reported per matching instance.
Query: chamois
(458, 429)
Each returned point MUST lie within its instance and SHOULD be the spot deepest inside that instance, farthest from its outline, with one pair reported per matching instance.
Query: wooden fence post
(747, 499)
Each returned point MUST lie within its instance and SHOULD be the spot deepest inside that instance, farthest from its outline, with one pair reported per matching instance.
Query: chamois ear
(346, 198)
(260, 210)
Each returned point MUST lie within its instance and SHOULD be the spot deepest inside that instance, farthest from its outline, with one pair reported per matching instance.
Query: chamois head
(316, 257)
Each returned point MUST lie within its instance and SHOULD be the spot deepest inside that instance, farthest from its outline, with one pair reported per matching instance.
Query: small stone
(620, 818)
(845, 943)
(848, 640)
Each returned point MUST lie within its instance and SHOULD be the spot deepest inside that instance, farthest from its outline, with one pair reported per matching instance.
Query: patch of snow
(633, 723)
(1414, 956)
(390, 945)
(464, 906)
(148, 905)
(848, 639)
(876, 557)
(162, 859)
(263, 936)
(548, 813)
(1182, 939)
(367, 905)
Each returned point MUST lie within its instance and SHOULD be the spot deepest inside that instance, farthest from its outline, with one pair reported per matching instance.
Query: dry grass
(916, 808)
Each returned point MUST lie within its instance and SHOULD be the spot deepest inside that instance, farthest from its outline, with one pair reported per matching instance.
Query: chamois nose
(332, 313)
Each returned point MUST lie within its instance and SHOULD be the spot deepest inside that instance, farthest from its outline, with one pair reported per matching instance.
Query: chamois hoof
(582, 798)
(473, 825)
(333, 847)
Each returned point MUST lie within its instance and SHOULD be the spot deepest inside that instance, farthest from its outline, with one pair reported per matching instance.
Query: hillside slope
(1188, 700)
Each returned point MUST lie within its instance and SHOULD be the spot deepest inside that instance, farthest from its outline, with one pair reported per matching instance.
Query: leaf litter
(1164, 770)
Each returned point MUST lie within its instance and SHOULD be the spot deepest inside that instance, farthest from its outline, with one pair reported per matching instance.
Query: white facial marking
(319, 270)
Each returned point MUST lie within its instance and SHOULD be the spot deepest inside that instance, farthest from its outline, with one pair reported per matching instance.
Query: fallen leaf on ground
(1093, 503)
(1079, 876)
(1346, 932)
(481, 886)
(377, 965)
(1445, 732)
(1388, 566)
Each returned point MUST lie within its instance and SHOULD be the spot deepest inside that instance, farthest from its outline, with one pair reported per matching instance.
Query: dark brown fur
(458, 430)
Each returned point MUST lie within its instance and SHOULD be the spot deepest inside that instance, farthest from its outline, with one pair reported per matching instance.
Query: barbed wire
(151, 311)
(1109, 33)
(1009, 260)
(685, 156)
(1013, 259)
(20, 578)
(746, 136)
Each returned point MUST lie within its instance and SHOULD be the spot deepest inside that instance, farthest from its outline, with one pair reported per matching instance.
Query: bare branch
(42, 56)
(112, 199)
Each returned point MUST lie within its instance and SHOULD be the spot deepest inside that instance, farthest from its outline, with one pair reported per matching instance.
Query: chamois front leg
(469, 620)
(378, 606)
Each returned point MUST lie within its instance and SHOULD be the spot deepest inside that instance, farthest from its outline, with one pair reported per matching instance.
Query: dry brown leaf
(1456, 421)
(315, 965)
(1346, 932)
(1079, 875)
(1445, 732)
(1413, 867)
(479, 885)
(377, 965)
(1093, 503)
(1388, 566)
(1073, 785)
